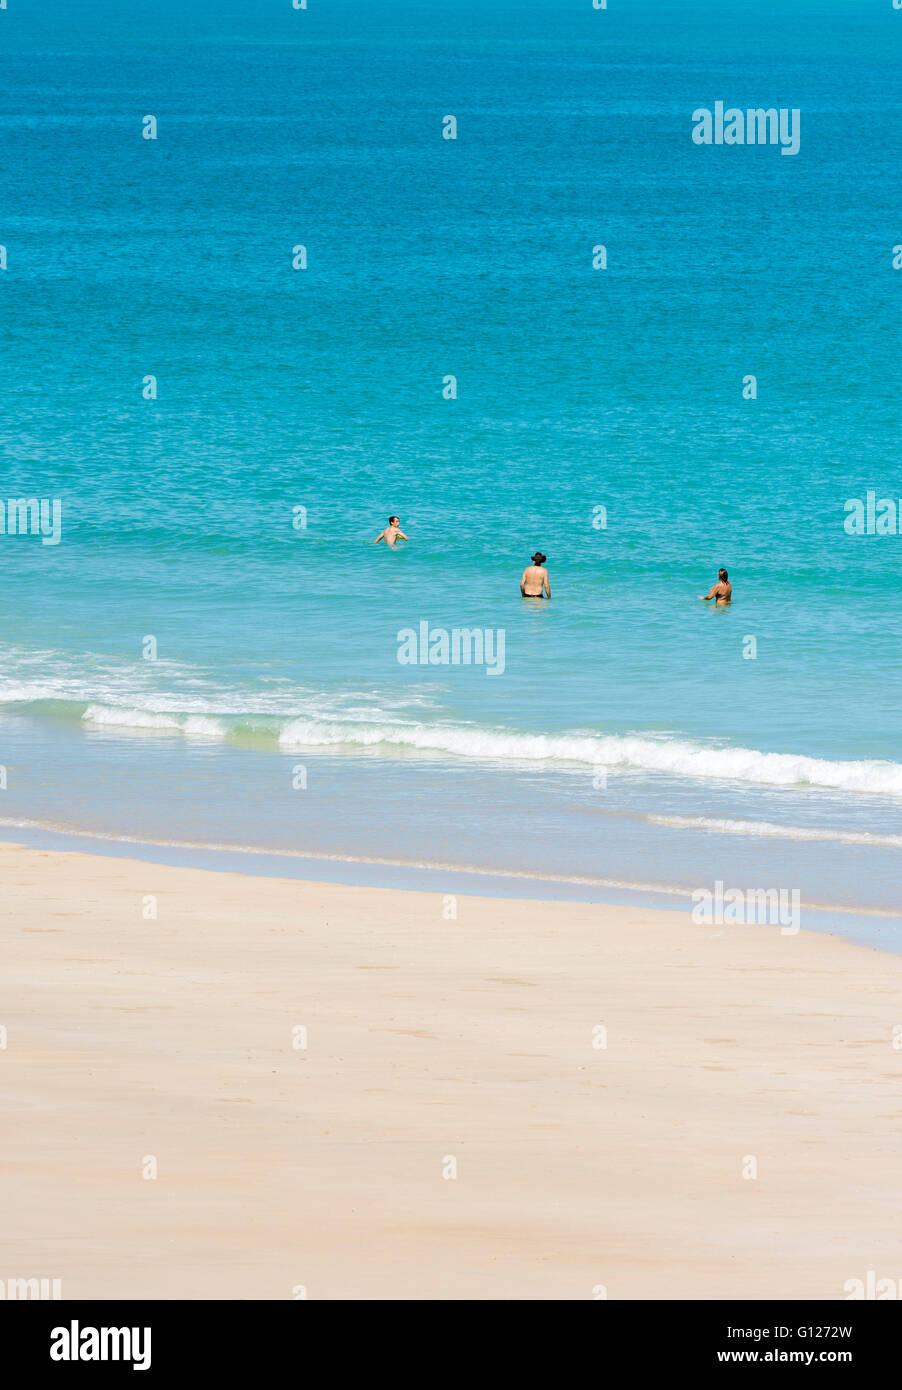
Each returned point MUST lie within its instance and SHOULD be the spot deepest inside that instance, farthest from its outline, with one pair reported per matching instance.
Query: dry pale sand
(429, 1040)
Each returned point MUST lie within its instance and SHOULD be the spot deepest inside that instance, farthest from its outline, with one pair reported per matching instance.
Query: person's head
(538, 558)
(722, 576)
(394, 521)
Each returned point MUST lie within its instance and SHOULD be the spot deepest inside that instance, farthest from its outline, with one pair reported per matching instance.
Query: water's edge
(876, 929)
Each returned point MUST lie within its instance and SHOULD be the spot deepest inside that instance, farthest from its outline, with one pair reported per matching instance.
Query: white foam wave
(172, 687)
(676, 757)
(769, 830)
(195, 724)
(356, 727)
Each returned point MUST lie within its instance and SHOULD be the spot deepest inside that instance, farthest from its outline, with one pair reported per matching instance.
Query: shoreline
(430, 1038)
(524, 833)
(880, 928)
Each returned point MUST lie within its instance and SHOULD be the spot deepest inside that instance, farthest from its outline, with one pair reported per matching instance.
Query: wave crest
(629, 752)
(665, 755)
(201, 724)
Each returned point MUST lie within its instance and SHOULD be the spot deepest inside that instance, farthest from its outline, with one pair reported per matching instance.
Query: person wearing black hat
(535, 580)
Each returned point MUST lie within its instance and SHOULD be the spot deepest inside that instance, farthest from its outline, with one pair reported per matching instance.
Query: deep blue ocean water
(630, 736)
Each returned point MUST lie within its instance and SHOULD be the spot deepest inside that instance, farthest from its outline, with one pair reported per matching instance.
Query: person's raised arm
(402, 537)
(380, 537)
(713, 594)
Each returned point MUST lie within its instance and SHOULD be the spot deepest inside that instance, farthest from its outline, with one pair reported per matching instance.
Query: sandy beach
(434, 1043)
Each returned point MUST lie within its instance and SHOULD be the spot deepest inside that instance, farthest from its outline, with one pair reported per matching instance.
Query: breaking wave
(675, 757)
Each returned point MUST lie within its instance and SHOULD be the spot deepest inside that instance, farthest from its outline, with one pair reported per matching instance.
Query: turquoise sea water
(631, 736)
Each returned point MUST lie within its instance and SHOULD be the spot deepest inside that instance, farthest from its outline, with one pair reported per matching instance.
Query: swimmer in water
(534, 582)
(722, 591)
(391, 533)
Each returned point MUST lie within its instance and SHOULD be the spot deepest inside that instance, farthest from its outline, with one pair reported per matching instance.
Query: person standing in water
(535, 582)
(391, 533)
(722, 591)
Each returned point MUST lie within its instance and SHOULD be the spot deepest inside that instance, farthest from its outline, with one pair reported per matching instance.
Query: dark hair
(722, 574)
(393, 518)
(538, 558)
